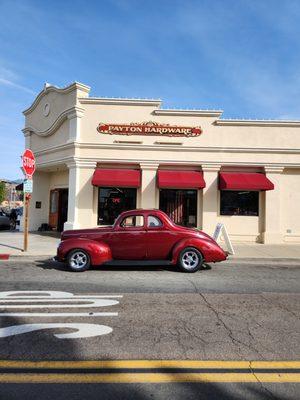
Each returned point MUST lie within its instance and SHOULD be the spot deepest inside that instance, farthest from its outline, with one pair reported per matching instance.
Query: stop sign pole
(28, 165)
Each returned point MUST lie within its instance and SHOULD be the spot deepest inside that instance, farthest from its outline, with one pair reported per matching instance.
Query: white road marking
(51, 294)
(83, 330)
(106, 296)
(45, 314)
(49, 299)
(91, 303)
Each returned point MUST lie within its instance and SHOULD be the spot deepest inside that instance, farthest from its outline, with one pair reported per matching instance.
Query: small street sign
(27, 186)
(28, 163)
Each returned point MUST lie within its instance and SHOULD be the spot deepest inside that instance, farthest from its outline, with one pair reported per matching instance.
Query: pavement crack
(271, 395)
(280, 306)
(236, 342)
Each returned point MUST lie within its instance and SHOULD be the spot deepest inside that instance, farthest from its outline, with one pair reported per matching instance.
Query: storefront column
(272, 233)
(80, 200)
(210, 204)
(148, 192)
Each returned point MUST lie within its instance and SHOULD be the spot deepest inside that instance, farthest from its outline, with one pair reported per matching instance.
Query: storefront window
(180, 205)
(113, 201)
(239, 203)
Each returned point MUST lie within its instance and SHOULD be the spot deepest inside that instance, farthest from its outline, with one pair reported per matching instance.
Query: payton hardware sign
(149, 128)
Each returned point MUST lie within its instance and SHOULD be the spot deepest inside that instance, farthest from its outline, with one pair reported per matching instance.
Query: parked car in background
(4, 220)
(139, 237)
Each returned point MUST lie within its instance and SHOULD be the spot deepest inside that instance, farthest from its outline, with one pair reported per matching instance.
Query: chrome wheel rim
(78, 260)
(190, 259)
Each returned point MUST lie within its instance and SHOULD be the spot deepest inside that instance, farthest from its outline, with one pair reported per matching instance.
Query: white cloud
(7, 82)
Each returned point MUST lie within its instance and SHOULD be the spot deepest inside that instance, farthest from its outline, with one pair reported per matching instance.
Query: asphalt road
(230, 312)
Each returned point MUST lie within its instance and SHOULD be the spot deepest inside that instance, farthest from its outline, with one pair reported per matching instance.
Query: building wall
(60, 137)
(41, 192)
(290, 205)
(68, 148)
(59, 179)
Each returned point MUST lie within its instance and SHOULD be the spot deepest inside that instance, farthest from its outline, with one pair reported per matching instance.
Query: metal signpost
(28, 164)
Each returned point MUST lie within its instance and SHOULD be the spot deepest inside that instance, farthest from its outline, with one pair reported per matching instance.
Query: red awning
(117, 178)
(244, 181)
(180, 179)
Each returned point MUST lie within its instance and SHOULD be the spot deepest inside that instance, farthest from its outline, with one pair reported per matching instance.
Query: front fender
(209, 249)
(98, 251)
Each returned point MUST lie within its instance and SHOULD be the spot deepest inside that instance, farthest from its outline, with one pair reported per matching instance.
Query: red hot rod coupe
(139, 237)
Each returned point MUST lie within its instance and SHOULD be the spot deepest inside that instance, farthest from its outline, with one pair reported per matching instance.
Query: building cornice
(48, 89)
(120, 101)
(273, 169)
(207, 165)
(188, 113)
(149, 165)
(211, 167)
(257, 122)
(69, 113)
(81, 163)
(159, 147)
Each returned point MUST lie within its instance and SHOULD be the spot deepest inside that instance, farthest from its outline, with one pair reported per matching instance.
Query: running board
(126, 263)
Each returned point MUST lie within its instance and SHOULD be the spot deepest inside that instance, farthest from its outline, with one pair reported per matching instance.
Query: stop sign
(28, 163)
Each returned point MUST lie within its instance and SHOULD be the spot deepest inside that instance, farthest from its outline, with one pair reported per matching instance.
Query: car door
(160, 239)
(128, 240)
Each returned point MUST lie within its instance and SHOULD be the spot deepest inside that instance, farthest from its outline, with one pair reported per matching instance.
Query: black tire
(78, 260)
(190, 260)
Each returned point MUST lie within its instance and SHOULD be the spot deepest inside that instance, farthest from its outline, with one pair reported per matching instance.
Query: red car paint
(143, 243)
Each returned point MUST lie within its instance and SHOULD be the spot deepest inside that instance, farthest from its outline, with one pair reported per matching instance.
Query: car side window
(154, 222)
(133, 221)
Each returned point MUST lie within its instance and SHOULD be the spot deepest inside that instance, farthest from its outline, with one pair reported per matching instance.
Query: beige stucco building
(196, 166)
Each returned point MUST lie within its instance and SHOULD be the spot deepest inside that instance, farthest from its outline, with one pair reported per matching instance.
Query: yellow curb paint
(149, 378)
(150, 364)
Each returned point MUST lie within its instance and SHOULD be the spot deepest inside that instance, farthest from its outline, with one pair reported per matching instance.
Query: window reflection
(239, 203)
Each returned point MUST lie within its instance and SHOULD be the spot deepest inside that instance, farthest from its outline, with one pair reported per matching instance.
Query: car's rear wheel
(78, 260)
(190, 260)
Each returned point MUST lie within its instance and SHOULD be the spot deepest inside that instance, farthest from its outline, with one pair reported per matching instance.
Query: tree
(2, 191)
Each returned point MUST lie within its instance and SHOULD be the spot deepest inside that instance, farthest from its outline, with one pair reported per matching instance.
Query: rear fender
(99, 252)
(210, 250)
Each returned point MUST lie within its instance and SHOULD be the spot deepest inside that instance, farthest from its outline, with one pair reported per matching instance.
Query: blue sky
(241, 56)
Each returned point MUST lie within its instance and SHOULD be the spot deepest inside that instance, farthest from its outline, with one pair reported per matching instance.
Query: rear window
(154, 222)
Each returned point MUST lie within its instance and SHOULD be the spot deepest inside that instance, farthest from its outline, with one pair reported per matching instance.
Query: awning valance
(180, 179)
(117, 178)
(244, 181)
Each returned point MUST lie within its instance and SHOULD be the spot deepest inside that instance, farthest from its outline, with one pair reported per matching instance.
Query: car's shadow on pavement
(59, 266)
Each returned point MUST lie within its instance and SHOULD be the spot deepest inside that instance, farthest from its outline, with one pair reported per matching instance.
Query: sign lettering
(149, 128)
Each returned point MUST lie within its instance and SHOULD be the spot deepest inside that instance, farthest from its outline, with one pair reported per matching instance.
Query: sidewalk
(45, 244)
(40, 244)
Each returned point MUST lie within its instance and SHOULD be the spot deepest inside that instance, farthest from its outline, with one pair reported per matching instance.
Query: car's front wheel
(78, 260)
(190, 260)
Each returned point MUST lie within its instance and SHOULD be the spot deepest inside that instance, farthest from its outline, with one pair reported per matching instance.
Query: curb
(262, 259)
